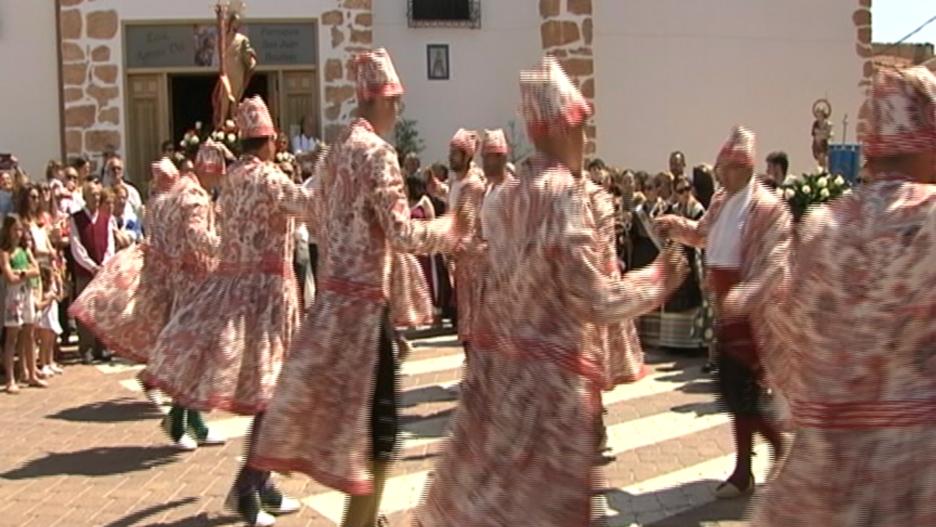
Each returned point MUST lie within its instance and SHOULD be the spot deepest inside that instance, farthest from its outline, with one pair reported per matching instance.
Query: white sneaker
(56, 369)
(277, 503)
(212, 438)
(250, 507)
(264, 519)
(186, 443)
(47, 371)
(287, 506)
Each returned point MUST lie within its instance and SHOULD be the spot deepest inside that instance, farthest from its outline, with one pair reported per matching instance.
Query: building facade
(662, 74)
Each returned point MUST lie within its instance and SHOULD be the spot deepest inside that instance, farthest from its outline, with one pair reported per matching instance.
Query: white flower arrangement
(285, 157)
(226, 135)
(190, 141)
(811, 189)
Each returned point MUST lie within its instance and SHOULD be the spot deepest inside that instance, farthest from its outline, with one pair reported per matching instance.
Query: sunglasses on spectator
(682, 190)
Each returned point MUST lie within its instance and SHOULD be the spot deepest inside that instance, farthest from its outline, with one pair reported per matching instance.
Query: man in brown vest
(92, 243)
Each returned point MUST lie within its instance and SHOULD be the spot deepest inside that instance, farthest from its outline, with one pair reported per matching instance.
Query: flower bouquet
(807, 190)
(227, 135)
(191, 141)
(285, 157)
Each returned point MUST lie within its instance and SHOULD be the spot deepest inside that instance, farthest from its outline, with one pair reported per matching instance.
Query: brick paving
(89, 452)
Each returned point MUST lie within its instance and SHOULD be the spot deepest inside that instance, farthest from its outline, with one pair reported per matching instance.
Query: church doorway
(190, 96)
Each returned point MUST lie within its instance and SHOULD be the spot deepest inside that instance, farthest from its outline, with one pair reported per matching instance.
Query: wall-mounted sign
(194, 45)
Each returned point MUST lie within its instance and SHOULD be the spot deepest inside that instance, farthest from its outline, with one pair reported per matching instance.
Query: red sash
(735, 337)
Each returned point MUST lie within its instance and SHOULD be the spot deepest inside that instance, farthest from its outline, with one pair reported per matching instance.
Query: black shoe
(87, 357)
(709, 368)
(106, 356)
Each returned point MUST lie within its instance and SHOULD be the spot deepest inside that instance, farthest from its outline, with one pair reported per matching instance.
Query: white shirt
(301, 143)
(41, 239)
(73, 203)
(80, 253)
(489, 207)
(134, 199)
(723, 246)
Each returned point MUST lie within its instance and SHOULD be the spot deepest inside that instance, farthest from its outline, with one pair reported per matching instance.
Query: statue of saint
(237, 60)
(821, 132)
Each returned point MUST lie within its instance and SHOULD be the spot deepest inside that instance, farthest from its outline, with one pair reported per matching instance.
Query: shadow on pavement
(702, 385)
(723, 513)
(202, 520)
(433, 425)
(699, 409)
(420, 457)
(113, 411)
(428, 394)
(635, 508)
(102, 461)
(139, 516)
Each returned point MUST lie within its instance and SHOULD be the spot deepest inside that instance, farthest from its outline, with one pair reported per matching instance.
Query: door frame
(275, 72)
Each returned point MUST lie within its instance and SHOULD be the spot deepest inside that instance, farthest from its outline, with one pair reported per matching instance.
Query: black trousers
(385, 419)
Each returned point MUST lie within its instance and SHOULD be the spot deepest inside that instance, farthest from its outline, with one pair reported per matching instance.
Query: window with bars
(445, 13)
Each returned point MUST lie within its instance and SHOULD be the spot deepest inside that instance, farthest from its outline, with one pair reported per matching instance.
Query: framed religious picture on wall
(437, 56)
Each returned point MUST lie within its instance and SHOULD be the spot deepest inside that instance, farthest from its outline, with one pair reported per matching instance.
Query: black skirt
(739, 391)
(385, 420)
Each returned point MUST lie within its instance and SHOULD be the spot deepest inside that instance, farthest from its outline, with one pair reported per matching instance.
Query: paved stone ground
(88, 451)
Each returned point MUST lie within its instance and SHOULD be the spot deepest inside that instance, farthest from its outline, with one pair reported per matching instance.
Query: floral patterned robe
(223, 349)
(319, 420)
(623, 354)
(467, 196)
(130, 300)
(851, 341)
(523, 437)
(410, 302)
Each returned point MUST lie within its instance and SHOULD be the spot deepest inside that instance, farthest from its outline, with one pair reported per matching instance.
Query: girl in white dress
(48, 327)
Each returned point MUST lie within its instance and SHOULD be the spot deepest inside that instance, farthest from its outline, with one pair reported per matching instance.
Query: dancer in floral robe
(494, 152)
(624, 356)
(523, 439)
(224, 348)
(852, 332)
(410, 300)
(334, 415)
(745, 231)
(127, 303)
(465, 197)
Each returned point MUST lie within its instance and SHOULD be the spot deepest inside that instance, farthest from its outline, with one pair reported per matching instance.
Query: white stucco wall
(483, 91)
(29, 92)
(674, 74)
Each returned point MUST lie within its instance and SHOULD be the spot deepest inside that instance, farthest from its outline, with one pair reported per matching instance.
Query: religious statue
(821, 132)
(237, 61)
